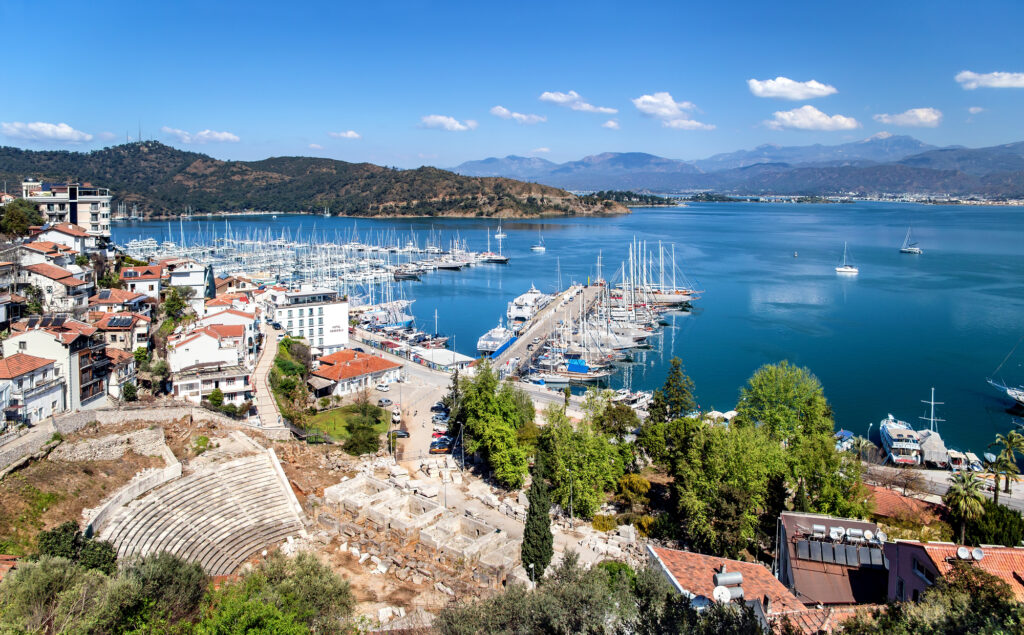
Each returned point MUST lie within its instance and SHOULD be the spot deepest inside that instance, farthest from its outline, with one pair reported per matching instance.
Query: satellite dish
(881, 536)
(963, 553)
(721, 595)
(978, 554)
(868, 534)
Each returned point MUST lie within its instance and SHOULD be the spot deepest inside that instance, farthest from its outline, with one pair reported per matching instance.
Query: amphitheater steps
(217, 517)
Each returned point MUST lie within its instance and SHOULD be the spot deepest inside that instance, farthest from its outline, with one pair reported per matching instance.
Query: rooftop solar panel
(816, 551)
(827, 553)
(865, 556)
(851, 556)
(803, 550)
(840, 554)
(876, 557)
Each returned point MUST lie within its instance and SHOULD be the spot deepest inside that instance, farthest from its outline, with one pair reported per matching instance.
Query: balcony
(27, 393)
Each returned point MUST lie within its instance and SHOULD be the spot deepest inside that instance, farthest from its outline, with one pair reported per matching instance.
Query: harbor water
(878, 341)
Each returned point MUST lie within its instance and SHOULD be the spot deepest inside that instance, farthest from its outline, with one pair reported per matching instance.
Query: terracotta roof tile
(20, 363)
(1006, 563)
(813, 621)
(348, 364)
(117, 355)
(890, 504)
(49, 247)
(695, 572)
(148, 272)
(70, 229)
(115, 296)
(55, 273)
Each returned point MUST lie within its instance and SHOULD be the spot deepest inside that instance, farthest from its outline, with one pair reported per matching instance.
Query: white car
(383, 388)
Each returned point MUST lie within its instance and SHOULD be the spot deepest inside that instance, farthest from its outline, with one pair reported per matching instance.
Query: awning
(319, 383)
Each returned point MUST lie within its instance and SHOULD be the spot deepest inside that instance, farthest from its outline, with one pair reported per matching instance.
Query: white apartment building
(35, 387)
(320, 316)
(76, 203)
(189, 273)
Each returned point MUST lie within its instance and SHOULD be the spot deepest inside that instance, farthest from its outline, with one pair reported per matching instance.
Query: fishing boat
(900, 442)
(494, 341)
(539, 246)
(846, 269)
(908, 246)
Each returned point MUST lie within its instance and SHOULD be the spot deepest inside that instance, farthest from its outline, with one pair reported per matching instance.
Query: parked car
(438, 435)
(440, 418)
(399, 434)
(384, 402)
(383, 387)
(440, 449)
(438, 407)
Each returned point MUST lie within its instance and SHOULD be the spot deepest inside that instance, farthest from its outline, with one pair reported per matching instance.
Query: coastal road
(936, 482)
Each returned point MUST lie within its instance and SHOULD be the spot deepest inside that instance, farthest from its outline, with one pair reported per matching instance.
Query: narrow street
(266, 406)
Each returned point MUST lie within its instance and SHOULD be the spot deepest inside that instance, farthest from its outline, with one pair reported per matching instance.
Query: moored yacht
(524, 307)
(900, 442)
(908, 246)
(846, 269)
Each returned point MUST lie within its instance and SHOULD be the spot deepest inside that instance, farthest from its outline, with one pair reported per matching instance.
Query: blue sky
(412, 83)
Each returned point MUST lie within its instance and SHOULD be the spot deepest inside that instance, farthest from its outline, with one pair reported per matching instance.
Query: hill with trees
(162, 181)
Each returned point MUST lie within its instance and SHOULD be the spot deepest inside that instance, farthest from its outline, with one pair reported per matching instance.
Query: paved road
(936, 482)
(543, 324)
(266, 406)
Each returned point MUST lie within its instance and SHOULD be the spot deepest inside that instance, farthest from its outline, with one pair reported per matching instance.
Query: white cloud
(611, 124)
(443, 122)
(573, 100)
(672, 113)
(540, 150)
(974, 110)
(786, 88)
(920, 117)
(971, 80)
(42, 131)
(810, 118)
(315, 146)
(348, 134)
(518, 117)
(203, 136)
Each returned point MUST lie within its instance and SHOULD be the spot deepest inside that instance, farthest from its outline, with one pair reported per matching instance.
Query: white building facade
(77, 203)
(320, 316)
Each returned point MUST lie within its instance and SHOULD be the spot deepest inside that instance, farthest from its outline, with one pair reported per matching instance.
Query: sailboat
(500, 235)
(846, 268)
(908, 246)
(540, 244)
(1015, 393)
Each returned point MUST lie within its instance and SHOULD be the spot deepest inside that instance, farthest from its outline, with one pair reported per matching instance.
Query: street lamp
(532, 581)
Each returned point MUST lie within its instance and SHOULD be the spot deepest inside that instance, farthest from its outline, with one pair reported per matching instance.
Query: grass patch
(335, 422)
(21, 532)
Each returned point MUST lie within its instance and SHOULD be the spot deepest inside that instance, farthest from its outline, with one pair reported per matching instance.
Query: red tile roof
(117, 296)
(890, 504)
(49, 248)
(227, 330)
(813, 621)
(67, 332)
(235, 312)
(1006, 563)
(70, 230)
(20, 363)
(55, 273)
(349, 364)
(216, 331)
(694, 572)
(117, 355)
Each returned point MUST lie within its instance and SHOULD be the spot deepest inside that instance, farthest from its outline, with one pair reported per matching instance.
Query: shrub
(229, 409)
(216, 398)
(66, 541)
(604, 523)
(200, 444)
(129, 392)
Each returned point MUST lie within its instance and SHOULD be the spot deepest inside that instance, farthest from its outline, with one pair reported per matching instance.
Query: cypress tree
(678, 391)
(537, 548)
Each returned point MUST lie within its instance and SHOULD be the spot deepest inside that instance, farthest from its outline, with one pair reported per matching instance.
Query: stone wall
(163, 413)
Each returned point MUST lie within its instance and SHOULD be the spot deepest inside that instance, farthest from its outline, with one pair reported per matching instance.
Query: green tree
(633, 488)
(363, 437)
(82, 260)
(174, 304)
(998, 525)
(788, 401)
(617, 420)
(216, 398)
(1012, 444)
(129, 392)
(232, 613)
(18, 216)
(141, 355)
(964, 499)
(861, 445)
(583, 464)
(537, 546)
(678, 391)
(832, 479)
(66, 541)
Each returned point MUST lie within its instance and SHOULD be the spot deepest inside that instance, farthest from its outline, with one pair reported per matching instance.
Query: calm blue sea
(878, 342)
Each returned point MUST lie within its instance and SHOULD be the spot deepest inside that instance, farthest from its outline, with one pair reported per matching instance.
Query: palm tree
(964, 499)
(1012, 443)
(995, 467)
(860, 445)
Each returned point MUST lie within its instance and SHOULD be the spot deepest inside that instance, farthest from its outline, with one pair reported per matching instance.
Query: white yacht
(900, 441)
(493, 341)
(846, 269)
(500, 235)
(539, 246)
(524, 307)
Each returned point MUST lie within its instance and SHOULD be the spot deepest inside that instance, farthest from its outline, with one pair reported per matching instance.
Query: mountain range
(161, 181)
(881, 164)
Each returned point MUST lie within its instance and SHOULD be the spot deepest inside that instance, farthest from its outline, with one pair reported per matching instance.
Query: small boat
(1015, 393)
(540, 244)
(500, 233)
(973, 462)
(908, 246)
(900, 442)
(957, 460)
(846, 269)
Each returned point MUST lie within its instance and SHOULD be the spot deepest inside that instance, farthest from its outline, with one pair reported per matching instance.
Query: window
(53, 405)
(321, 332)
(289, 325)
(310, 310)
(289, 312)
(301, 322)
(320, 311)
(923, 572)
(321, 321)
(22, 346)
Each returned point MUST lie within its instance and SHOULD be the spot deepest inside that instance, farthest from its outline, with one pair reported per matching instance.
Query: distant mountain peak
(879, 135)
